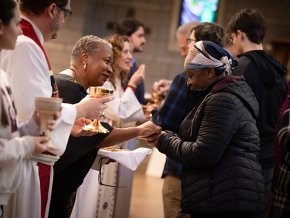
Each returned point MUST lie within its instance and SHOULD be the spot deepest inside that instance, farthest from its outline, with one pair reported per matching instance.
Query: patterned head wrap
(206, 54)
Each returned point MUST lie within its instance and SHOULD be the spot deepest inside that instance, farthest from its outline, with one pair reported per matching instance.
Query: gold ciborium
(97, 92)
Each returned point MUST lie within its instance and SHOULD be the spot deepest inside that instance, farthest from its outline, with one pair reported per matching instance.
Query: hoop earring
(85, 66)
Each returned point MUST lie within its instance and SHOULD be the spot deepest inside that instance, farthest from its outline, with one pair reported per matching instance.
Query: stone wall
(93, 17)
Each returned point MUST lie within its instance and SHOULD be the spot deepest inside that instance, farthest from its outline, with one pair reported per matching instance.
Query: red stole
(44, 170)
(28, 31)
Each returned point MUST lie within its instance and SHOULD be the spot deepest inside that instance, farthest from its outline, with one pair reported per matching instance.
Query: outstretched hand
(138, 76)
(92, 108)
(150, 133)
(161, 87)
(147, 129)
(77, 129)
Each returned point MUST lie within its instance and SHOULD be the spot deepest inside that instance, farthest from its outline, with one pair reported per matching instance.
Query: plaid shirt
(280, 198)
(177, 104)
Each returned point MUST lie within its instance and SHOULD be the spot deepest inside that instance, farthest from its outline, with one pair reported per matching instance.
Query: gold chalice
(97, 92)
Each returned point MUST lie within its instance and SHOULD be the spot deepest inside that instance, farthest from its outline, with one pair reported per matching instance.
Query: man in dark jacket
(264, 74)
(218, 141)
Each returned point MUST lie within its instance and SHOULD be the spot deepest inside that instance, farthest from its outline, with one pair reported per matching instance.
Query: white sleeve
(125, 109)
(59, 136)
(15, 149)
(28, 75)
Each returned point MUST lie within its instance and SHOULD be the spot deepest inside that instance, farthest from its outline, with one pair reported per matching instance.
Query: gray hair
(88, 44)
(185, 29)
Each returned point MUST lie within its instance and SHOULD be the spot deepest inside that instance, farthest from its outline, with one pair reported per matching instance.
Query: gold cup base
(95, 127)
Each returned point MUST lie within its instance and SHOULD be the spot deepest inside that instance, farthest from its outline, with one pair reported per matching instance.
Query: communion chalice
(98, 92)
(46, 108)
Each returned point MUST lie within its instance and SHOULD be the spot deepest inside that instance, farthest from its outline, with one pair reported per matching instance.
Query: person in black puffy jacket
(218, 141)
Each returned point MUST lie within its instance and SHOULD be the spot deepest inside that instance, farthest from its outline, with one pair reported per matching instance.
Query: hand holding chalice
(46, 107)
(97, 92)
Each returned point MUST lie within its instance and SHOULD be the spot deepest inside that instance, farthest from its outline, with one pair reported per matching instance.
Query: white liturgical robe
(28, 74)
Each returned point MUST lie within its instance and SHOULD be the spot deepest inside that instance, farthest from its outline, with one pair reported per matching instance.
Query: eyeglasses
(67, 12)
(190, 40)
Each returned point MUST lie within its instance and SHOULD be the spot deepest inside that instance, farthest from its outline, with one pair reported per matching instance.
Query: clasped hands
(150, 133)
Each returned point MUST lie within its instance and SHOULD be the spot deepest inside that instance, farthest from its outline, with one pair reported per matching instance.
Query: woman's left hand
(77, 129)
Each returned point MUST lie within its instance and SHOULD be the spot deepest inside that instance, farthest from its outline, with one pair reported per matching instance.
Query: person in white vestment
(15, 141)
(124, 111)
(29, 74)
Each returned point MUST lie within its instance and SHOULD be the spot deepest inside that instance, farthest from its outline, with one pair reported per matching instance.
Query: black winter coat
(218, 145)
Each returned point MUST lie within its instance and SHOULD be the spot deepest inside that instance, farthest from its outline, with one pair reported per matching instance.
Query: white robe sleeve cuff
(59, 137)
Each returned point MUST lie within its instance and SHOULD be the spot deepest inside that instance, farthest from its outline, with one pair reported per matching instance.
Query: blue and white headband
(206, 54)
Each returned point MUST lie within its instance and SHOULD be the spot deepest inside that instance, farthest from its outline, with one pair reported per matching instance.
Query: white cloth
(28, 75)
(107, 202)
(89, 208)
(124, 108)
(130, 159)
(13, 148)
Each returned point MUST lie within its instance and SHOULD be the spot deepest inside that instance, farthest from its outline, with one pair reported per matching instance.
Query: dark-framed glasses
(67, 12)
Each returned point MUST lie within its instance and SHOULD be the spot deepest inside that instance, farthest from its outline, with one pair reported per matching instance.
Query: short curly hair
(88, 44)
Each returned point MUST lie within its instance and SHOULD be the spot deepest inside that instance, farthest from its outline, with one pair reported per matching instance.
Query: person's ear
(51, 10)
(210, 72)
(241, 35)
(84, 57)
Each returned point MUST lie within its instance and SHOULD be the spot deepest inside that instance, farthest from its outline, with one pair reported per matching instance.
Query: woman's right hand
(77, 129)
(39, 143)
(138, 76)
(91, 108)
(147, 129)
(162, 86)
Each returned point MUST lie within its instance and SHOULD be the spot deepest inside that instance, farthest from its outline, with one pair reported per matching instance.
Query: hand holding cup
(98, 92)
(47, 108)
